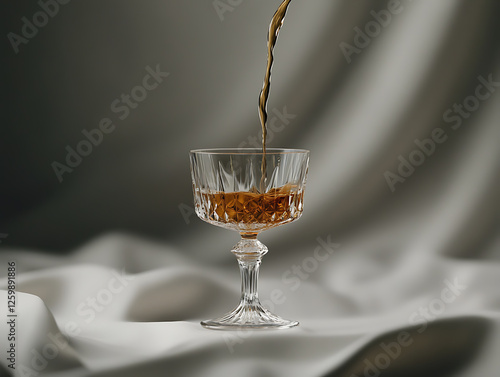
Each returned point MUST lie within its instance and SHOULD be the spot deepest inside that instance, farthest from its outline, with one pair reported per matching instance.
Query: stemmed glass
(249, 191)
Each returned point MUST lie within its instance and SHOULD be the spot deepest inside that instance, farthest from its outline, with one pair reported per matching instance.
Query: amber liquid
(272, 38)
(256, 210)
(253, 211)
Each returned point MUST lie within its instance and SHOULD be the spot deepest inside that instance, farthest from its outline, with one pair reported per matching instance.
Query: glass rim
(248, 151)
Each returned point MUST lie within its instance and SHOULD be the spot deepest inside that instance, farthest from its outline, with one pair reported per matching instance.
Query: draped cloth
(392, 270)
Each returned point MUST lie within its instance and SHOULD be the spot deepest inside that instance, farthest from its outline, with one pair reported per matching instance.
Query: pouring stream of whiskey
(274, 29)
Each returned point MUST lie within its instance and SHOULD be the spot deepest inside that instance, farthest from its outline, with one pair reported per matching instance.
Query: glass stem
(249, 252)
(249, 278)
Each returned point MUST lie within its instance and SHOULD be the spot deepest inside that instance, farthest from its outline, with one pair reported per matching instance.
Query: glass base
(250, 314)
(253, 317)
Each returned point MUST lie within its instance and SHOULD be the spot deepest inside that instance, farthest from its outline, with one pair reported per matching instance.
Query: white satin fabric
(362, 311)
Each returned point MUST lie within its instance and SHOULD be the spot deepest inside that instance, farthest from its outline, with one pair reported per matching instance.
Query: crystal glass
(249, 191)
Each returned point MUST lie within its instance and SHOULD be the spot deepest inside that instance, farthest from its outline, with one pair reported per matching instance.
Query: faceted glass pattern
(226, 187)
(249, 191)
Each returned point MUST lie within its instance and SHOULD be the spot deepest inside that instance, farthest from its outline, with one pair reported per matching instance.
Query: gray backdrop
(357, 118)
